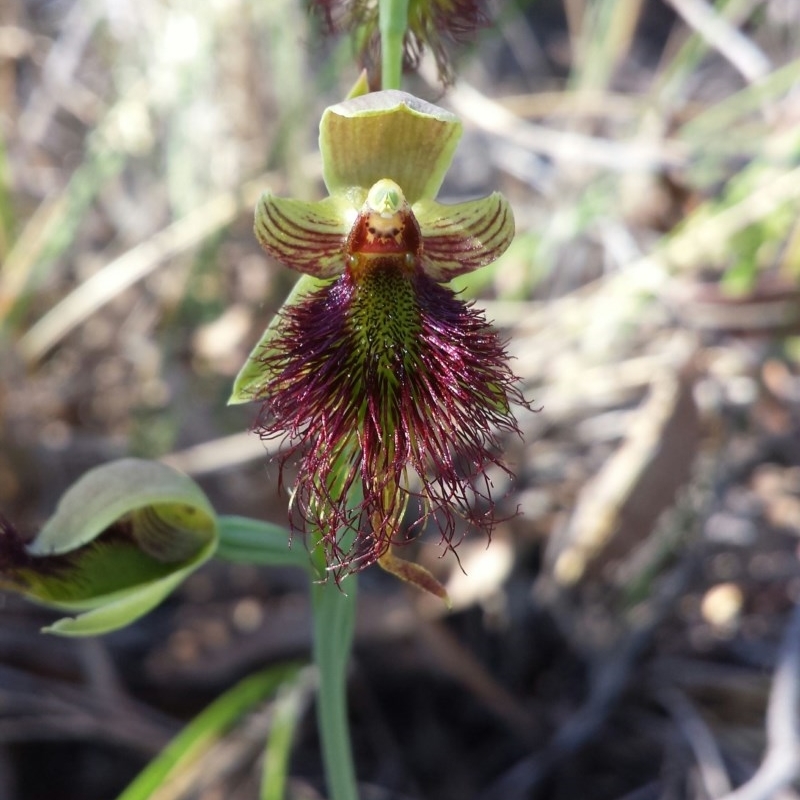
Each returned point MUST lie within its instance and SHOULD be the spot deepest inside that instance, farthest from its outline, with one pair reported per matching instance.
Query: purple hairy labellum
(384, 384)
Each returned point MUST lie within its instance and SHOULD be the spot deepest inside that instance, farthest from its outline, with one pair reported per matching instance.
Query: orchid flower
(384, 384)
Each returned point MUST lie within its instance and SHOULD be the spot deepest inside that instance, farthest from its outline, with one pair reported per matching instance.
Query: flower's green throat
(384, 317)
(383, 251)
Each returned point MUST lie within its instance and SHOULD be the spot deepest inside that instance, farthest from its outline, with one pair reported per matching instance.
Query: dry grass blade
(53, 225)
(601, 36)
(219, 454)
(564, 146)
(717, 32)
(134, 265)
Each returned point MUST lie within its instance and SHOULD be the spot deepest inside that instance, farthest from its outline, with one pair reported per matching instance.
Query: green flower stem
(334, 613)
(250, 541)
(333, 610)
(393, 16)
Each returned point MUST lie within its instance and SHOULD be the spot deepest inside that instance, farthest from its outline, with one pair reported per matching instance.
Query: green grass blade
(29, 263)
(207, 728)
(289, 704)
(604, 41)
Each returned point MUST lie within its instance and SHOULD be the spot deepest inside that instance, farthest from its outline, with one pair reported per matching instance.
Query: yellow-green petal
(387, 134)
(253, 376)
(460, 238)
(306, 236)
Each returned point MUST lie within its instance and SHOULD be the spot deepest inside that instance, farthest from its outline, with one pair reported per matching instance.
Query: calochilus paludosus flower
(390, 391)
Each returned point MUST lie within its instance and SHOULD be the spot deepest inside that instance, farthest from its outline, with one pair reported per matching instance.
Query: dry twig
(781, 762)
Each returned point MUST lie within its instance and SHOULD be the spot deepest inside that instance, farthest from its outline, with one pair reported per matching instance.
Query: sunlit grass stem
(334, 614)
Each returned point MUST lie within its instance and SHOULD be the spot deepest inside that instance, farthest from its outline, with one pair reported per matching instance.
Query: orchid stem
(393, 16)
(333, 610)
(334, 614)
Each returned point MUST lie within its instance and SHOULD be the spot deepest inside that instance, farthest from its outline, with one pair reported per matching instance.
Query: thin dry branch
(781, 763)
(710, 763)
(611, 674)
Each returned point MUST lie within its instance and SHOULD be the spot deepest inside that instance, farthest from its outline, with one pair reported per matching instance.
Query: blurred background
(631, 633)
